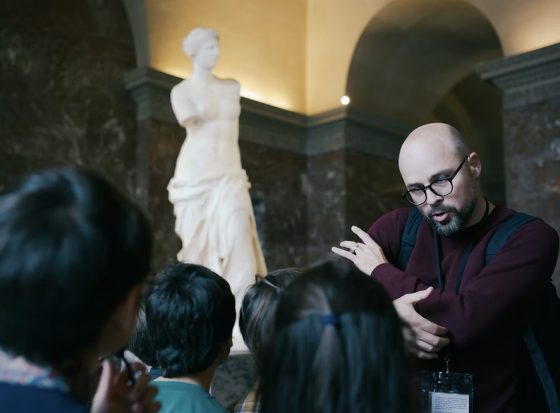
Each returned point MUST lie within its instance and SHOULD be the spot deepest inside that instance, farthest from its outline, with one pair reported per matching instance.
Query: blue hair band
(330, 319)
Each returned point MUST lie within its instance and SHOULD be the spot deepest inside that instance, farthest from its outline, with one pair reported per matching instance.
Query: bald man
(474, 315)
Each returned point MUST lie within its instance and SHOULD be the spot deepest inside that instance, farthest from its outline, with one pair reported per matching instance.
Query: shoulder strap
(542, 370)
(516, 221)
(408, 239)
(500, 237)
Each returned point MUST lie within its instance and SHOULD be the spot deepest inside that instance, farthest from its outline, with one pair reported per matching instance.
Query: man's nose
(433, 199)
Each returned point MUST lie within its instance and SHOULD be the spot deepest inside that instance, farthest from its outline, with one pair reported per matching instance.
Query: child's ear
(224, 351)
(117, 329)
(228, 344)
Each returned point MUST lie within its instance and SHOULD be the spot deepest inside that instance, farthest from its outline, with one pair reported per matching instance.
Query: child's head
(74, 253)
(259, 304)
(337, 346)
(190, 314)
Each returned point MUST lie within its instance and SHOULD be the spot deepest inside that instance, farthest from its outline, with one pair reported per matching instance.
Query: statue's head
(202, 46)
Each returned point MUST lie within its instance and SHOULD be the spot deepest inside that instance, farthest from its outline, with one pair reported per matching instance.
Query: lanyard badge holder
(446, 392)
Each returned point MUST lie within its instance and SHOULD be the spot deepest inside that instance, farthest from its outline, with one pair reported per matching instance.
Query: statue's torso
(211, 148)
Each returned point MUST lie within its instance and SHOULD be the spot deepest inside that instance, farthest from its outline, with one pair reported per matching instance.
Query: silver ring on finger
(355, 249)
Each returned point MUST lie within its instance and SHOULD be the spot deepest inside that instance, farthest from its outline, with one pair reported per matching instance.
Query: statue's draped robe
(203, 210)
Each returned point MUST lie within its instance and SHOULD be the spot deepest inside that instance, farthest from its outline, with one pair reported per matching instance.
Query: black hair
(351, 361)
(140, 343)
(259, 305)
(190, 314)
(71, 248)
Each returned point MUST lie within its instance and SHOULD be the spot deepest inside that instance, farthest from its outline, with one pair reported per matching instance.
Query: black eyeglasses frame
(449, 179)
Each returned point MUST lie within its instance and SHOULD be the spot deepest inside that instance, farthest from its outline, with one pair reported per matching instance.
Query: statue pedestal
(234, 378)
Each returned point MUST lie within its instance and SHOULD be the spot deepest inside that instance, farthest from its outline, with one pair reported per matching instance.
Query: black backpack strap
(500, 237)
(542, 370)
(408, 239)
(516, 221)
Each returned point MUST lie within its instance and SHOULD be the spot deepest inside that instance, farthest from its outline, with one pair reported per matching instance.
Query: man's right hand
(428, 338)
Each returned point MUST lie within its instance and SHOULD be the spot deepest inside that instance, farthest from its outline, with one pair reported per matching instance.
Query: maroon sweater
(495, 303)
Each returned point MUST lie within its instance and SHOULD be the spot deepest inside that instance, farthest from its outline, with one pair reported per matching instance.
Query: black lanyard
(465, 257)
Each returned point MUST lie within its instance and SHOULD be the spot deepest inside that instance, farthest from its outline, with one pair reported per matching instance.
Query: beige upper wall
(335, 26)
(333, 30)
(262, 44)
(295, 54)
(523, 25)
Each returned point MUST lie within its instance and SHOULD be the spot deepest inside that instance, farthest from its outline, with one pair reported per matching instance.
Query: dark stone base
(234, 379)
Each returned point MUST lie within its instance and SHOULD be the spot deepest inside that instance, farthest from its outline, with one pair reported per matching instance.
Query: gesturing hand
(428, 337)
(113, 395)
(366, 255)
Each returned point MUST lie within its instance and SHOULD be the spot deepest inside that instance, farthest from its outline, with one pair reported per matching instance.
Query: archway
(414, 64)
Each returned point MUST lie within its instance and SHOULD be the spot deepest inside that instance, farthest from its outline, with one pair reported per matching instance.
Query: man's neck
(479, 211)
(202, 379)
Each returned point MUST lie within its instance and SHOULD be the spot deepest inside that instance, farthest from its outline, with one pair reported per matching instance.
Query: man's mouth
(440, 216)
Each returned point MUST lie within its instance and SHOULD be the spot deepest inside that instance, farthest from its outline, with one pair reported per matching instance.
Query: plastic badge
(446, 392)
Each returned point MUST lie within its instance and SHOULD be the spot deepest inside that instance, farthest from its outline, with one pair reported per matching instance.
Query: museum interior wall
(262, 44)
(89, 85)
(62, 100)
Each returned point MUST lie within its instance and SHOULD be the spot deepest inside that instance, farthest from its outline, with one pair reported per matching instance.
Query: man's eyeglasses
(440, 187)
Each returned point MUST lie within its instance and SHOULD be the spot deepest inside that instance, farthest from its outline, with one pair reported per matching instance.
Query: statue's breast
(218, 103)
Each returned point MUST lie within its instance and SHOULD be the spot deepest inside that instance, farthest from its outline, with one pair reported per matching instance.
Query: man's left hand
(366, 255)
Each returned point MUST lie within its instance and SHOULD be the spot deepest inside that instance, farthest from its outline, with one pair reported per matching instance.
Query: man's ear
(474, 165)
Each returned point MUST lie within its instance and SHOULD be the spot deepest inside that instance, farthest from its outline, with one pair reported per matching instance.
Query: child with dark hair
(337, 346)
(256, 323)
(74, 256)
(190, 314)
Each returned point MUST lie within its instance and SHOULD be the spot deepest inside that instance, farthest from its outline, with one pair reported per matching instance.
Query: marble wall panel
(325, 187)
(346, 188)
(373, 187)
(532, 156)
(158, 148)
(62, 100)
(279, 202)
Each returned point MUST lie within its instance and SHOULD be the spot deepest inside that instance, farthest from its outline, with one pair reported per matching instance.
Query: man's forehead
(421, 167)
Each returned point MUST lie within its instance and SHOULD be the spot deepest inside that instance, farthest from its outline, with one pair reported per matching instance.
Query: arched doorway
(414, 64)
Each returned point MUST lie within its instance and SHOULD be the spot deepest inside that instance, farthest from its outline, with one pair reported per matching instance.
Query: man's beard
(457, 218)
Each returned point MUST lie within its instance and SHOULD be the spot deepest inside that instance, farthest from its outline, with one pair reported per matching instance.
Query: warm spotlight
(345, 100)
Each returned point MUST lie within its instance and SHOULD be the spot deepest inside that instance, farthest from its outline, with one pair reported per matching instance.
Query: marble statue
(210, 189)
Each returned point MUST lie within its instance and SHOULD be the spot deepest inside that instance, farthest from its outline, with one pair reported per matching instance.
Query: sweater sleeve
(510, 285)
(387, 232)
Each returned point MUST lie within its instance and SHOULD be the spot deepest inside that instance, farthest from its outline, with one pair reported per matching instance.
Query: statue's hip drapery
(204, 210)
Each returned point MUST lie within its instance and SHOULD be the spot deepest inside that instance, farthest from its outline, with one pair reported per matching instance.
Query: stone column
(352, 175)
(531, 86)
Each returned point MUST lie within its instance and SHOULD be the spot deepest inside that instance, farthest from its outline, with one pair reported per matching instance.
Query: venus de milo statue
(210, 190)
